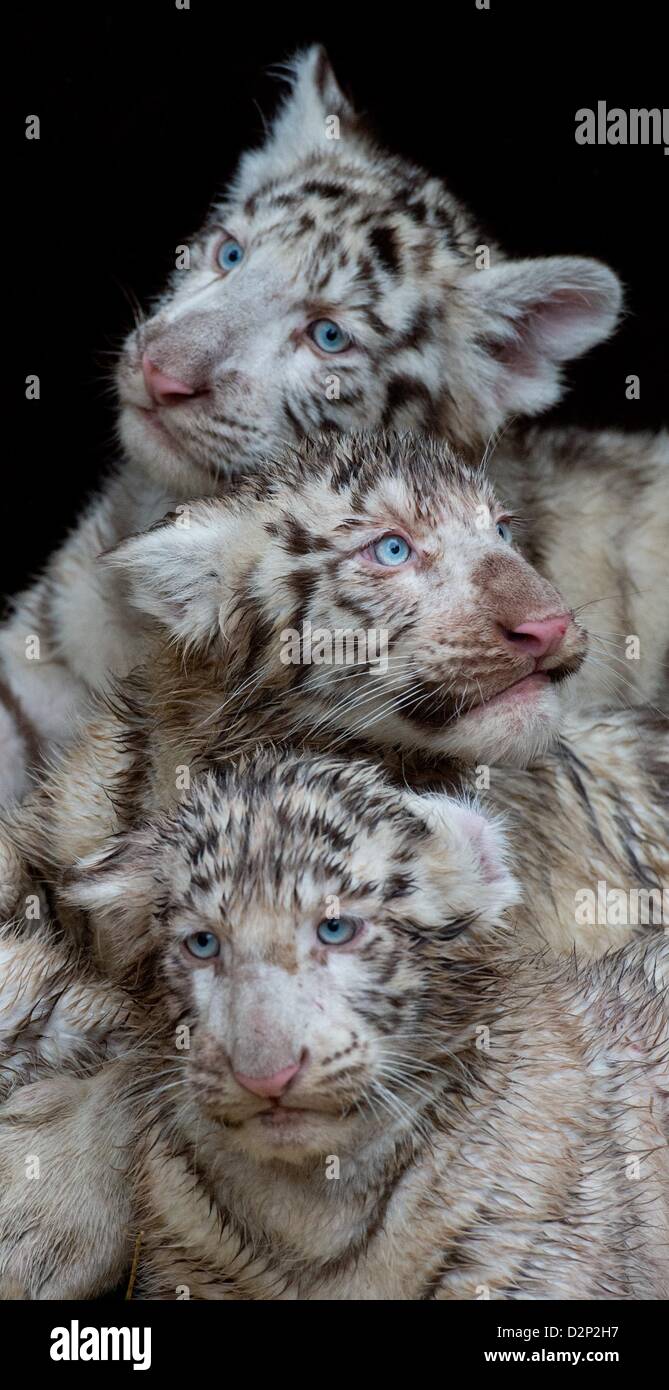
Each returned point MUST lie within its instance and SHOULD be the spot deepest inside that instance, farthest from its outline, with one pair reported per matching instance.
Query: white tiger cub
(337, 951)
(332, 286)
(338, 954)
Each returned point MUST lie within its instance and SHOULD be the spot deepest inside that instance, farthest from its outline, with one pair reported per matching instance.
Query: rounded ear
(116, 886)
(183, 569)
(195, 572)
(524, 319)
(304, 121)
(468, 857)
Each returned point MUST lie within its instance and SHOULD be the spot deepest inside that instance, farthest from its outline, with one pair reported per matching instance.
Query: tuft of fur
(69, 1041)
(591, 819)
(56, 1012)
(67, 1144)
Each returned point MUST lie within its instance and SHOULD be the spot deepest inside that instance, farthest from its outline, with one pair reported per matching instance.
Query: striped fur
(331, 228)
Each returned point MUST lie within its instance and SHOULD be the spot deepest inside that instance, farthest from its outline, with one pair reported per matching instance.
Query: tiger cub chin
(356, 1070)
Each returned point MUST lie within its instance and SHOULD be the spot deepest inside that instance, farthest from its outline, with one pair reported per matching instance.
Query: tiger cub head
(312, 948)
(365, 587)
(336, 286)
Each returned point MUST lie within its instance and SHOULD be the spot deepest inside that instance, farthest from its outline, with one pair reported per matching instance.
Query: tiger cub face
(336, 286)
(365, 588)
(302, 924)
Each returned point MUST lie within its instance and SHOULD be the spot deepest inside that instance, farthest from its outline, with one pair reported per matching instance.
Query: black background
(144, 109)
(189, 1335)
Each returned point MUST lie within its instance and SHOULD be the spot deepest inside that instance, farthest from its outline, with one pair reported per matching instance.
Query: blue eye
(229, 254)
(336, 931)
(392, 550)
(328, 336)
(203, 944)
(504, 530)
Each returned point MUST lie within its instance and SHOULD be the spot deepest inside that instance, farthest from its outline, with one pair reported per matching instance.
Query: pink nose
(541, 638)
(268, 1085)
(162, 388)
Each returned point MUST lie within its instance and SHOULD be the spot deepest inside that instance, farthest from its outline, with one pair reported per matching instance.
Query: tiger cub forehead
(278, 834)
(399, 236)
(281, 838)
(384, 477)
